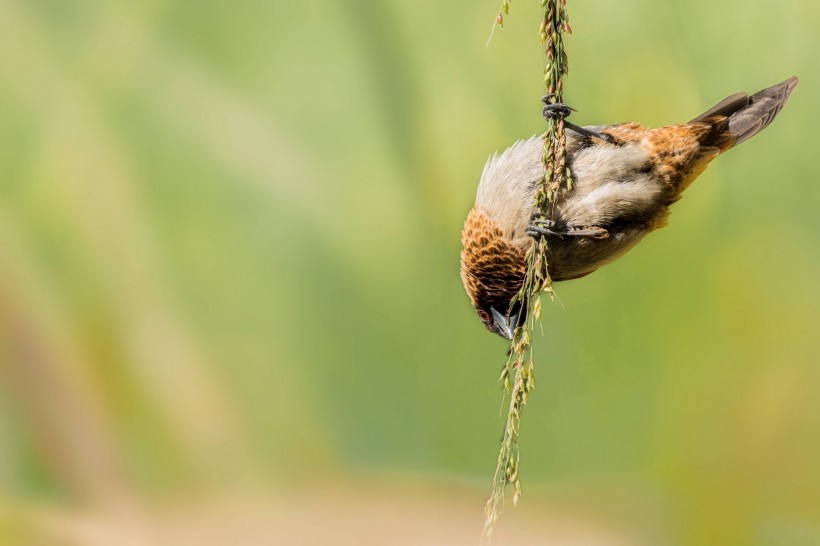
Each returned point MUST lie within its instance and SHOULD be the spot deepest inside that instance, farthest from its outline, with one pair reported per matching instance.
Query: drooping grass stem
(518, 374)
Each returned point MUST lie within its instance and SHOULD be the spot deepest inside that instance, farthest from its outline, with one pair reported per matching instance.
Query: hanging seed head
(517, 375)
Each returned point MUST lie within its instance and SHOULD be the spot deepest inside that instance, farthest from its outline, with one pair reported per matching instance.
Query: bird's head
(502, 323)
(492, 270)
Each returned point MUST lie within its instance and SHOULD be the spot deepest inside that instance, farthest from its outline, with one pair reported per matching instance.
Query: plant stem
(556, 174)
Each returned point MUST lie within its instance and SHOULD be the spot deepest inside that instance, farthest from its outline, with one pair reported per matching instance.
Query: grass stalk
(518, 375)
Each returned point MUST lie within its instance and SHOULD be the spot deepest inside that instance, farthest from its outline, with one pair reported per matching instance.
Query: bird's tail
(739, 117)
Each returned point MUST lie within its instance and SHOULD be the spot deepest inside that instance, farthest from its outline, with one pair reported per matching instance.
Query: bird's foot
(544, 226)
(559, 110)
(594, 232)
(555, 110)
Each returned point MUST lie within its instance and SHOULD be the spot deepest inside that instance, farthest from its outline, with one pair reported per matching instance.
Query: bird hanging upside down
(624, 178)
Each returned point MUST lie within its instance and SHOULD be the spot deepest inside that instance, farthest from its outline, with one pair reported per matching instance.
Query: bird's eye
(483, 315)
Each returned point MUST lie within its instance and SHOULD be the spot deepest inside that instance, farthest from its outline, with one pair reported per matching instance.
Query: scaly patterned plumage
(621, 191)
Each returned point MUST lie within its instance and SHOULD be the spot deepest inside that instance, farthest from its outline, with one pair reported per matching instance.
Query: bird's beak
(505, 326)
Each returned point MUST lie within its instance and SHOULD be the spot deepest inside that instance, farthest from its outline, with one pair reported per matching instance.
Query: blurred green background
(229, 238)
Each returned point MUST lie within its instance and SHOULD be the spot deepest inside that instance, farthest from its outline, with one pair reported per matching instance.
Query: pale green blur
(229, 237)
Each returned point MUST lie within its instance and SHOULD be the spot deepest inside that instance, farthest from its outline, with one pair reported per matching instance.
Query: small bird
(624, 178)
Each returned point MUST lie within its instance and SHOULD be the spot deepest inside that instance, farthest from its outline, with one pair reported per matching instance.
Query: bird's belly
(574, 257)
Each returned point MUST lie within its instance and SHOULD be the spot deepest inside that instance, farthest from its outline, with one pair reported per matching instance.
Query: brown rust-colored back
(678, 153)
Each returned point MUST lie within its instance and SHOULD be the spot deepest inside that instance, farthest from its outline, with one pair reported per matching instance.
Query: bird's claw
(559, 110)
(542, 226)
(594, 232)
(535, 231)
(545, 226)
(555, 110)
(539, 221)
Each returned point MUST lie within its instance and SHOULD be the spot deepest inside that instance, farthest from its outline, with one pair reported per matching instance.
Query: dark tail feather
(739, 117)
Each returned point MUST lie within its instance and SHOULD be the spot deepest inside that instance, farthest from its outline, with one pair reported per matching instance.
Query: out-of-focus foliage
(229, 235)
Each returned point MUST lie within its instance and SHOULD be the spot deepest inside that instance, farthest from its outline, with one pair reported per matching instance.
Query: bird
(624, 179)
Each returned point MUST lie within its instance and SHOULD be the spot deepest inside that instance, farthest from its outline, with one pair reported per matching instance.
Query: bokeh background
(230, 308)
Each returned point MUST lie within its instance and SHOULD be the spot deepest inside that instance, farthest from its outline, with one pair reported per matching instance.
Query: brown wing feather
(678, 153)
